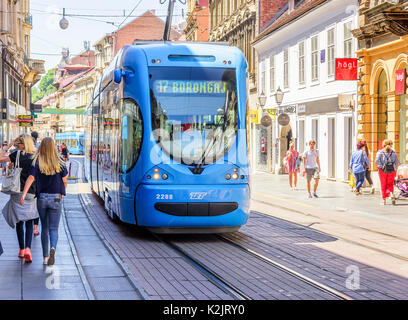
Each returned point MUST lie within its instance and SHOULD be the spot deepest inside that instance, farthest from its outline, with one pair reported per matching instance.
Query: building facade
(235, 22)
(146, 27)
(197, 24)
(18, 72)
(297, 53)
(383, 61)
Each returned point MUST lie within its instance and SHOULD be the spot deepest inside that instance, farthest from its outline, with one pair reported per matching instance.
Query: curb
(106, 243)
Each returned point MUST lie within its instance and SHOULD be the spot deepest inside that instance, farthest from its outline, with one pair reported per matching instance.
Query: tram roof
(177, 52)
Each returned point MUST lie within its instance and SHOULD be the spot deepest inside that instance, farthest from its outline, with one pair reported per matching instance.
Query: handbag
(352, 182)
(11, 182)
(363, 160)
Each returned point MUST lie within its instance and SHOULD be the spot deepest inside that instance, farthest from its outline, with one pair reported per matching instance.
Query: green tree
(45, 87)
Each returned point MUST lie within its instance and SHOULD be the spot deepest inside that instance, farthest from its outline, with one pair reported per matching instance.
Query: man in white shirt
(311, 164)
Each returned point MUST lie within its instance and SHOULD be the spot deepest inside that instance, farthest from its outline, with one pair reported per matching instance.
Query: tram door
(94, 145)
(101, 146)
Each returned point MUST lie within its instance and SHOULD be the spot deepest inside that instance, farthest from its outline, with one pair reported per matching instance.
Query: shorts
(312, 173)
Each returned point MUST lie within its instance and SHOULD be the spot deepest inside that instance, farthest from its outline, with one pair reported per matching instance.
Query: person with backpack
(387, 162)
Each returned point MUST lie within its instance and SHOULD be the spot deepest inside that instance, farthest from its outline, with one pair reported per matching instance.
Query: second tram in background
(73, 140)
(166, 139)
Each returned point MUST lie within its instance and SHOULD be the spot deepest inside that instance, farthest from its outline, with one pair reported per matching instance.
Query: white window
(315, 58)
(272, 73)
(302, 63)
(331, 56)
(286, 69)
(348, 40)
(262, 80)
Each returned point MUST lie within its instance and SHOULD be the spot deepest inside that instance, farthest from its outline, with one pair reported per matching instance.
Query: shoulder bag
(11, 182)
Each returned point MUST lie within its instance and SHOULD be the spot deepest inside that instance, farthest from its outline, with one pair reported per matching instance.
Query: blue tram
(166, 139)
(73, 140)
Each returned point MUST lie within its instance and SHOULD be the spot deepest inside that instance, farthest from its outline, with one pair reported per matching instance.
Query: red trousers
(387, 182)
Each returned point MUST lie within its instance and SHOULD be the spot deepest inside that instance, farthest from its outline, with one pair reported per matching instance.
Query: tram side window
(131, 134)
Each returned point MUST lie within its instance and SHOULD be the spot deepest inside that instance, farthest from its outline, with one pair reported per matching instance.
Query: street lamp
(262, 100)
(63, 22)
(279, 96)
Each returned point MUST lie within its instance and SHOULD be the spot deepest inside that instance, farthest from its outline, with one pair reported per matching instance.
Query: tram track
(289, 271)
(397, 256)
(257, 259)
(215, 278)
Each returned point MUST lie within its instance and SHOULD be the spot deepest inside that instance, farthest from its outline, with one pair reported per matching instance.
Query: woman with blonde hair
(22, 214)
(387, 162)
(49, 173)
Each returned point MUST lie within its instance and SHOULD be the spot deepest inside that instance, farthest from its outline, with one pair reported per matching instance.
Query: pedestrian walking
(311, 164)
(64, 152)
(34, 135)
(16, 214)
(368, 170)
(387, 162)
(291, 165)
(4, 165)
(50, 176)
(359, 163)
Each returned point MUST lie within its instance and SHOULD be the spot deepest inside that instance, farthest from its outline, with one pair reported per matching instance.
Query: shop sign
(253, 115)
(288, 109)
(400, 81)
(346, 102)
(346, 69)
(283, 119)
(301, 108)
(25, 120)
(266, 121)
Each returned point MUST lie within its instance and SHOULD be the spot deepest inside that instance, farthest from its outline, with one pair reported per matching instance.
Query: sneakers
(36, 233)
(21, 253)
(315, 195)
(310, 196)
(27, 255)
(51, 259)
(45, 261)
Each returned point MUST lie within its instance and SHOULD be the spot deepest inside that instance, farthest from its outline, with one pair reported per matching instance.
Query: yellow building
(383, 53)
(18, 73)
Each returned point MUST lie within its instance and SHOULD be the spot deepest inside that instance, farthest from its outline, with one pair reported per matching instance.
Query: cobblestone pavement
(84, 268)
(165, 275)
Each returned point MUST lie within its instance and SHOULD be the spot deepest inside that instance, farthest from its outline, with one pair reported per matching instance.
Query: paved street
(84, 269)
(320, 240)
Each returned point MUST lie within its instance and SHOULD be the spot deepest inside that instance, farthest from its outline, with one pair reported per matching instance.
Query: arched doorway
(382, 108)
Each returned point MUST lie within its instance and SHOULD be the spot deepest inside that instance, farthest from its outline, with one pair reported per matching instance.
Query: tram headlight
(156, 176)
(234, 176)
(228, 176)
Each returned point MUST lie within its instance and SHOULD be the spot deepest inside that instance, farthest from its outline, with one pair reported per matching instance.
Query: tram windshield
(194, 112)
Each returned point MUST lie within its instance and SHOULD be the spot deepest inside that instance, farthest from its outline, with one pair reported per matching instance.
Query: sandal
(27, 255)
(36, 233)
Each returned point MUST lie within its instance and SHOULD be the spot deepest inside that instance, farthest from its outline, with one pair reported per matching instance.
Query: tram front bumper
(192, 206)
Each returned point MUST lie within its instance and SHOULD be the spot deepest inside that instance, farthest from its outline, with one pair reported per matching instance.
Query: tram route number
(220, 310)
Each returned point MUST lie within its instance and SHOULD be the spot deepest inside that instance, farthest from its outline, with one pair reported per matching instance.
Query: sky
(48, 39)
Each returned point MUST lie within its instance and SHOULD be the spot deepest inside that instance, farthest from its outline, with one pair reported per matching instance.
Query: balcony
(28, 19)
(36, 65)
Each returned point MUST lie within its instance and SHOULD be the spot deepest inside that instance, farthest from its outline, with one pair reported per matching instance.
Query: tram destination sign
(175, 87)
